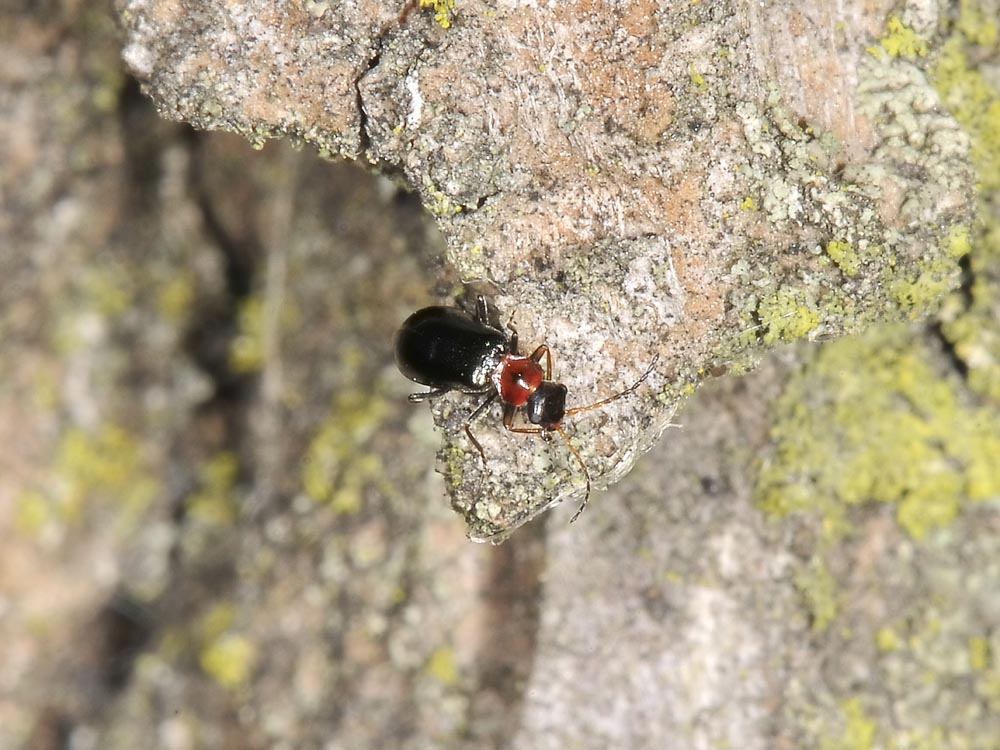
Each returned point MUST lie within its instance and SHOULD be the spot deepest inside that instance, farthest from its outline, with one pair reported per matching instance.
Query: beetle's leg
(537, 355)
(631, 389)
(528, 431)
(508, 423)
(483, 310)
(468, 423)
(583, 468)
(512, 341)
(416, 398)
(486, 316)
(406, 11)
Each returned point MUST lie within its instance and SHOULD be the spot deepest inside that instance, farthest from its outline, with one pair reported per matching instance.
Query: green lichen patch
(974, 101)
(256, 315)
(969, 320)
(104, 466)
(226, 656)
(852, 267)
(229, 660)
(437, 202)
(977, 22)
(443, 11)
(786, 315)
(108, 291)
(887, 639)
(819, 590)
(174, 299)
(844, 255)
(899, 41)
(338, 465)
(858, 729)
(214, 501)
(988, 688)
(917, 291)
(874, 419)
(931, 676)
(441, 666)
(246, 351)
(697, 79)
(980, 656)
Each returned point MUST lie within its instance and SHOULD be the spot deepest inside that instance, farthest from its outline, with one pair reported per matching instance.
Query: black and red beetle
(448, 349)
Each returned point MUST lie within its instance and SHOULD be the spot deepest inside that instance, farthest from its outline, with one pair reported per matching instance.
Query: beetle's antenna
(583, 467)
(631, 389)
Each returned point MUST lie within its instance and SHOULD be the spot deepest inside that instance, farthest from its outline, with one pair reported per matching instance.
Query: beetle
(449, 349)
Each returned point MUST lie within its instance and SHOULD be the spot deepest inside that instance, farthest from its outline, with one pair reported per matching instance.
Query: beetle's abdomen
(444, 347)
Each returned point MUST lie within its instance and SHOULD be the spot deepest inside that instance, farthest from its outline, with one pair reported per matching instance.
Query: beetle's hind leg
(416, 398)
(468, 424)
(543, 351)
(483, 310)
(487, 313)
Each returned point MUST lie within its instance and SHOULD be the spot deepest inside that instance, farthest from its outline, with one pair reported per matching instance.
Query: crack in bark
(512, 606)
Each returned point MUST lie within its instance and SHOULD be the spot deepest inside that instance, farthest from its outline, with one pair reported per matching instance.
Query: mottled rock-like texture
(634, 179)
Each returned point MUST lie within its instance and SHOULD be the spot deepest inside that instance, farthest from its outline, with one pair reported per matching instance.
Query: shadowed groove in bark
(124, 626)
(512, 605)
(104, 657)
(937, 329)
(141, 130)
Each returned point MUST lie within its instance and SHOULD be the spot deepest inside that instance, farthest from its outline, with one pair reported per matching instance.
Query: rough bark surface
(633, 179)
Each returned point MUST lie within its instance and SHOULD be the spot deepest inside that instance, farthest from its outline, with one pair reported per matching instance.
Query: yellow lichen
(443, 11)
(697, 79)
(977, 24)
(227, 656)
(216, 621)
(957, 241)
(899, 41)
(107, 291)
(819, 590)
(214, 501)
(32, 512)
(438, 202)
(454, 465)
(246, 352)
(338, 465)
(933, 278)
(886, 639)
(874, 420)
(988, 686)
(844, 256)
(979, 653)
(974, 100)
(107, 463)
(249, 348)
(229, 660)
(441, 666)
(785, 315)
(859, 730)
(173, 300)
